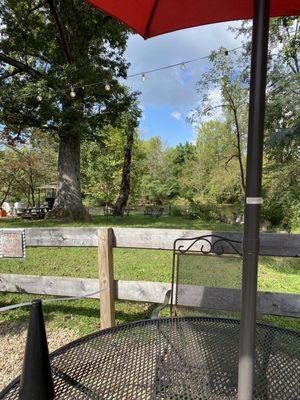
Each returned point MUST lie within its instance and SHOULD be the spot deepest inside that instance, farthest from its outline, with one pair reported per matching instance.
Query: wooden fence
(209, 298)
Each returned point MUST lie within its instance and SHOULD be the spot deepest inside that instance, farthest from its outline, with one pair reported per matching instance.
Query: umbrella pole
(253, 197)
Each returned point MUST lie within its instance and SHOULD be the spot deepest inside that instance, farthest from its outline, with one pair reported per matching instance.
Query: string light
(107, 86)
(72, 92)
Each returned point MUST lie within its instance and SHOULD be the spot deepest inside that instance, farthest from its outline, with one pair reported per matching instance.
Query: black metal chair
(191, 293)
(188, 297)
(194, 284)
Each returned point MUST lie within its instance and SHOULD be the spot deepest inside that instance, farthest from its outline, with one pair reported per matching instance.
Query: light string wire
(72, 88)
(143, 74)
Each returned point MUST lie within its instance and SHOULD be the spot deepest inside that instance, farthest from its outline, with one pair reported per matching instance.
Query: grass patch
(275, 274)
(135, 220)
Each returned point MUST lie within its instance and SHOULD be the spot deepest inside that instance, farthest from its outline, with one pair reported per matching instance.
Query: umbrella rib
(150, 18)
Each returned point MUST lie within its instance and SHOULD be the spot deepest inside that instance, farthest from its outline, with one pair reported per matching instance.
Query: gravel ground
(12, 342)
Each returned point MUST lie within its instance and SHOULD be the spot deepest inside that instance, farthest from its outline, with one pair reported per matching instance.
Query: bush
(205, 212)
(295, 217)
(282, 215)
(273, 212)
(177, 211)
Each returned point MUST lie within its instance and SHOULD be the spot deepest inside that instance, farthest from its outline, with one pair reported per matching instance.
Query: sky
(168, 96)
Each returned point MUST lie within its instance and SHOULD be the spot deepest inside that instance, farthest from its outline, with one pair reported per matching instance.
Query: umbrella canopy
(154, 17)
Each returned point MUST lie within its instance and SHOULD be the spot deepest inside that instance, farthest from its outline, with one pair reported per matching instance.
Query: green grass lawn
(275, 274)
(135, 220)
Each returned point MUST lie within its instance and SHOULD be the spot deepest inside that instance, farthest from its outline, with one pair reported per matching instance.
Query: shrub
(295, 217)
(205, 212)
(273, 212)
(176, 211)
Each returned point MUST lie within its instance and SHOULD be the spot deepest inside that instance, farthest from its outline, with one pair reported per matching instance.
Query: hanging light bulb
(107, 87)
(143, 77)
(72, 92)
(182, 66)
(39, 97)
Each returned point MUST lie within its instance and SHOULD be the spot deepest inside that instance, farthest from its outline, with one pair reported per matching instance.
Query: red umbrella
(154, 17)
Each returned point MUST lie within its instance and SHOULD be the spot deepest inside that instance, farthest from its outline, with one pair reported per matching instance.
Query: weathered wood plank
(106, 278)
(152, 292)
(65, 237)
(275, 244)
(48, 285)
(281, 304)
(286, 245)
(213, 298)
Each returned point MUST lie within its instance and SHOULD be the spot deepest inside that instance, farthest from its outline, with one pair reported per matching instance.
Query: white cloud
(176, 115)
(175, 88)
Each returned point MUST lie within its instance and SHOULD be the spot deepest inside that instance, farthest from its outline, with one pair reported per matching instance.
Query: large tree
(52, 54)
(130, 125)
(208, 178)
(158, 183)
(224, 92)
(281, 180)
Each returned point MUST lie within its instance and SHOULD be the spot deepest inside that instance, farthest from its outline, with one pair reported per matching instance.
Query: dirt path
(12, 342)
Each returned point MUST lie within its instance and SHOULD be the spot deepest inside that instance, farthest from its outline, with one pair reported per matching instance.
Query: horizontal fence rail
(206, 298)
(271, 244)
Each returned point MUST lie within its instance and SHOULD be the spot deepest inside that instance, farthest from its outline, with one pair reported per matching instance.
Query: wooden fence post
(106, 278)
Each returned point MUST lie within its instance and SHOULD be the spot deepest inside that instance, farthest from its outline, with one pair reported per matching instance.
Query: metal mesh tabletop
(173, 358)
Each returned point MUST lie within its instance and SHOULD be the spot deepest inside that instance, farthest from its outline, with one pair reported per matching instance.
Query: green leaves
(33, 52)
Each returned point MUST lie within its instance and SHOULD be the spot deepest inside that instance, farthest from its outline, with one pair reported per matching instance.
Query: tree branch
(40, 56)
(7, 191)
(21, 67)
(9, 74)
(228, 161)
(61, 32)
(208, 109)
(29, 120)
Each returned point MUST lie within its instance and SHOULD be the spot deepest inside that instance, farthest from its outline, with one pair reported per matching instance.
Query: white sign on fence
(12, 243)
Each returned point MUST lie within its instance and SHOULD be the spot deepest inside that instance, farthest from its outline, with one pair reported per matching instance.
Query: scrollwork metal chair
(191, 291)
(191, 295)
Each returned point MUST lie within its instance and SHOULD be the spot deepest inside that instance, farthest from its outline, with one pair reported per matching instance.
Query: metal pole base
(36, 380)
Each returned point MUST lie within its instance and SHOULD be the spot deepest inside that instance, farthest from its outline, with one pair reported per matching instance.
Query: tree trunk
(68, 204)
(125, 182)
(239, 148)
(31, 184)
(7, 191)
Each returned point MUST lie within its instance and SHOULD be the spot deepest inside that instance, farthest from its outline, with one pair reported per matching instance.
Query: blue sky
(168, 96)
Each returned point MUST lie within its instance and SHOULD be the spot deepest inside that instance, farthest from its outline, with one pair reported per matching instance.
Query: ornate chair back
(196, 278)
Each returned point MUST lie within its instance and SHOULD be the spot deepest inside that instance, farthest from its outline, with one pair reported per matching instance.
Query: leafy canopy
(36, 76)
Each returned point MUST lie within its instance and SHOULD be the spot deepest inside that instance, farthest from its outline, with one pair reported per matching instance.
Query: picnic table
(172, 358)
(35, 212)
(109, 211)
(154, 211)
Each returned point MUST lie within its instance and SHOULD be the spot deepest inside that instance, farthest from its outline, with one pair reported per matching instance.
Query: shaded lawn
(275, 274)
(136, 221)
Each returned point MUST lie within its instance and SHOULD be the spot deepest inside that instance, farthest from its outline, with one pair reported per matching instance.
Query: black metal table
(173, 358)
